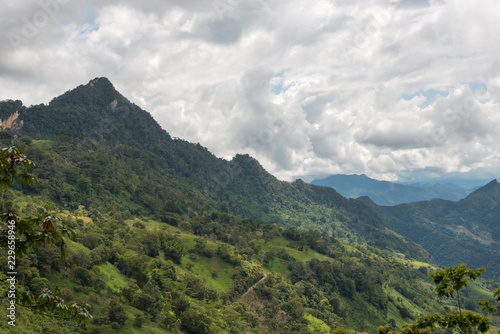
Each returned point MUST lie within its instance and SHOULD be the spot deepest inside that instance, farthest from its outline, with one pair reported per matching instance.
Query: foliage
(449, 282)
(19, 235)
(50, 303)
(466, 231)
(32, 231)
(14, 163)
(171, 238)
(113, 155)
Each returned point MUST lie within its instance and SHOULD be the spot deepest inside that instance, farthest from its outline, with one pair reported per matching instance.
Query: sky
(398, 90)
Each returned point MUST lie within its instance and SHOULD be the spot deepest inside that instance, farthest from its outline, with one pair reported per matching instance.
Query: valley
(170, 238)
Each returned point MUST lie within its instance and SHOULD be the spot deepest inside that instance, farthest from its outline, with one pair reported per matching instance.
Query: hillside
(466, 231)
(142, 169)
(218, 273)
(171, 238)
(389, 193)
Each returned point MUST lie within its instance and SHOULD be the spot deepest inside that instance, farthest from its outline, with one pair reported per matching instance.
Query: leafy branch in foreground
(14, 163)
(32, 232)
(19, 235)
(49, 300)
(449, 282)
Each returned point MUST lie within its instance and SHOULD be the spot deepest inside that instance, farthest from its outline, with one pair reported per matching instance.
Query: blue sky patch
(278, 88)
(480, 90)
(91, 23)
(431, 96)
(277, 83)
(478, 86)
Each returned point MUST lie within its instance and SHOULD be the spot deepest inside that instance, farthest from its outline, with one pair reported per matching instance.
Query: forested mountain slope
(467, 231)
(145, 276)
(170, 238)
(107, 151)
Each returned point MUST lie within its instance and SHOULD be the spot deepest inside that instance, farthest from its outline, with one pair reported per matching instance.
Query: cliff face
(12, 122)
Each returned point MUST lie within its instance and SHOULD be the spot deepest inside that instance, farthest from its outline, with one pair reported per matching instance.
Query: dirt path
(253, 286)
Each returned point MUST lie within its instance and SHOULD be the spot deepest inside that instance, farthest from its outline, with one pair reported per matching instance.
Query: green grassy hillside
(145, 276)
(95, 148)
(166, 276)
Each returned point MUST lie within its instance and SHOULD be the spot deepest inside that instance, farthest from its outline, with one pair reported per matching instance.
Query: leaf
(48, 225)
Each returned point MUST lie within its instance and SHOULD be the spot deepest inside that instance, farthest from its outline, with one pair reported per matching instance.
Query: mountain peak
(99, 91)
(492, 190)
(102, 83)
(248, 164)
(101, 80)
(97, 112)
(489, 186)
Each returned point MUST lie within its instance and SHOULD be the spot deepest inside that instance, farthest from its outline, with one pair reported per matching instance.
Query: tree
(117, 313)
(195, 322)
(14, 163)
(19, 235)
(173, 247)
(449, 282)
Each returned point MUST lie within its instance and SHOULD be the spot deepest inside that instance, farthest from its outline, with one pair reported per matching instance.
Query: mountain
(448, 181)
(171, 238)
(218, 273)
(466, 231)
(389, 193)
(161, 174)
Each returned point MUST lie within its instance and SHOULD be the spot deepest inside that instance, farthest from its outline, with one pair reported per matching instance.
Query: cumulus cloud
(388, 88)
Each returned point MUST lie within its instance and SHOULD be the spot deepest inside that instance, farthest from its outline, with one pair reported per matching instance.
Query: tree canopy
(20, 234)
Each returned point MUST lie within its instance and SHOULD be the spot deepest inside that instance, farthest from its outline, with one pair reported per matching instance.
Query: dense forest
(166, 237)
(464, 231)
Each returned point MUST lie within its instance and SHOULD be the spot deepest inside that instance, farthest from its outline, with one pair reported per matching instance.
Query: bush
(195, 322)
(138, 320)
(91, 240)
(173, 247)
(117, 314)
(139, 225)
(37, 284)
(83, 276)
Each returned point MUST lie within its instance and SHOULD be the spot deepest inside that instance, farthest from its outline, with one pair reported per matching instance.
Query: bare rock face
(114, 104)
(12, 122)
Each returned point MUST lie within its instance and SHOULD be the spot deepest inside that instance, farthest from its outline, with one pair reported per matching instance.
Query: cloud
(386, 88)
(225, 31)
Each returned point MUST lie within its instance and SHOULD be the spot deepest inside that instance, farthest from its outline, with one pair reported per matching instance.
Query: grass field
(206, 267)
(112, 276)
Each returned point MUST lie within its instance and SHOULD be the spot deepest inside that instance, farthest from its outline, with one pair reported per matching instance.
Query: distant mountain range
(390, 193)
(466, 231)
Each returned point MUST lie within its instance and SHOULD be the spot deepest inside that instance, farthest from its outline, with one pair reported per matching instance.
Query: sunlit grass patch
(75, 246)
(112, 276)
(315, 325)
(217, 273)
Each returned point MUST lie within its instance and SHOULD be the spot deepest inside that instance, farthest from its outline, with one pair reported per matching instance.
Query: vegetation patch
(112, 276)
(315, 325)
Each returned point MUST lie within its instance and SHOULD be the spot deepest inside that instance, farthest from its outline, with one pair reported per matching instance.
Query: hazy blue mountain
(391, 193)
(452, 183)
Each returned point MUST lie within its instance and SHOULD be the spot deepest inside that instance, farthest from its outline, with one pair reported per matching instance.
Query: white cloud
(341, 73)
